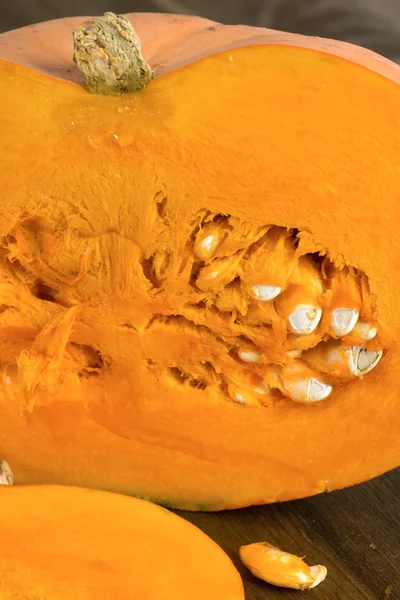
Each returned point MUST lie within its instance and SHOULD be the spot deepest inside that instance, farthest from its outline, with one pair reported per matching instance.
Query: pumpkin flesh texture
(61, 542)
(100, 202)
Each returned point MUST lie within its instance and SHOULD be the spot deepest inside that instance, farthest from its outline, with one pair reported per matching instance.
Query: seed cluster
(263, 316)
(301, 325)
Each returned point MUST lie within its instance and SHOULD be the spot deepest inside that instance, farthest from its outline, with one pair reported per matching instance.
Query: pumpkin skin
(266, 127)
(58, 541)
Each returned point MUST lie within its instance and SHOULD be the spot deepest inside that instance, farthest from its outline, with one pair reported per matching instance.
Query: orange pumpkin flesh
(73, 542)
(112, 362)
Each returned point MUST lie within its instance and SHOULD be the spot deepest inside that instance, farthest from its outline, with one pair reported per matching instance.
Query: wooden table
(355, 533)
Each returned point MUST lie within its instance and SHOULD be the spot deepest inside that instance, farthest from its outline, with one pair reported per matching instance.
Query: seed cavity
(281, 568)
(290, 323)
(265, 293)
(250, 300)
(304, 319)
(344, 320)
(243, 396)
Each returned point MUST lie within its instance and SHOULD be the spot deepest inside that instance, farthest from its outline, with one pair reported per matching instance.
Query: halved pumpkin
(62, 542)
(196, 279)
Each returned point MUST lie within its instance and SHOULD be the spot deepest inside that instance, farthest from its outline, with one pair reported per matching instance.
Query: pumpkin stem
(108, 54)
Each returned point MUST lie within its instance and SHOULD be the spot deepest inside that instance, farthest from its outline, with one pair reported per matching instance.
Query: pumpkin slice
(61, 542)
(199, 281)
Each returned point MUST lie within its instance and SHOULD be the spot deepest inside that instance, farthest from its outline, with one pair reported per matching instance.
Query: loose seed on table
(280, 568)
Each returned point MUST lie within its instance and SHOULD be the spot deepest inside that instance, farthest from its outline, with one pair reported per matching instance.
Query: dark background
(371, 23)
(355, 532)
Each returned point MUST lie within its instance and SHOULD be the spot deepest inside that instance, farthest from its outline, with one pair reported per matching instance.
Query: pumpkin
(59, 542)
(200, 283)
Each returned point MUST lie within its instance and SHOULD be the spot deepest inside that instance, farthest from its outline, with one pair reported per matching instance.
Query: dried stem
(108, 54)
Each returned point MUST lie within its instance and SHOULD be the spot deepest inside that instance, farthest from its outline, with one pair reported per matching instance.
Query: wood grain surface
(355, 533)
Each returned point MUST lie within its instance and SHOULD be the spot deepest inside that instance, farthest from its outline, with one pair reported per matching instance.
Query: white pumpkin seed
(262, 388)
(296, 353)
(365, 331)
(343, 320)
(250, 356)
(362, 360)
(207, 243)
(307, 390)
(304, 319)
(280, 568)
(264, 293)
(337, 359)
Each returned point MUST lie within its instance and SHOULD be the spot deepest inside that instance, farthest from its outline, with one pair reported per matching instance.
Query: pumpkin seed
(365, 331)
(207, 244)
(209, 238)
(219, 272)
(243, 396)
(343, 320)
(281, 568)
(6, 474)
(301, 384)
(262, 388)
(338, 359)
(250, 356)
(300, 305)
(264, 292)
(296, 353)
(304, 319)
(319, 572)
(307, 390)
(363, 360)
(269, 264)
